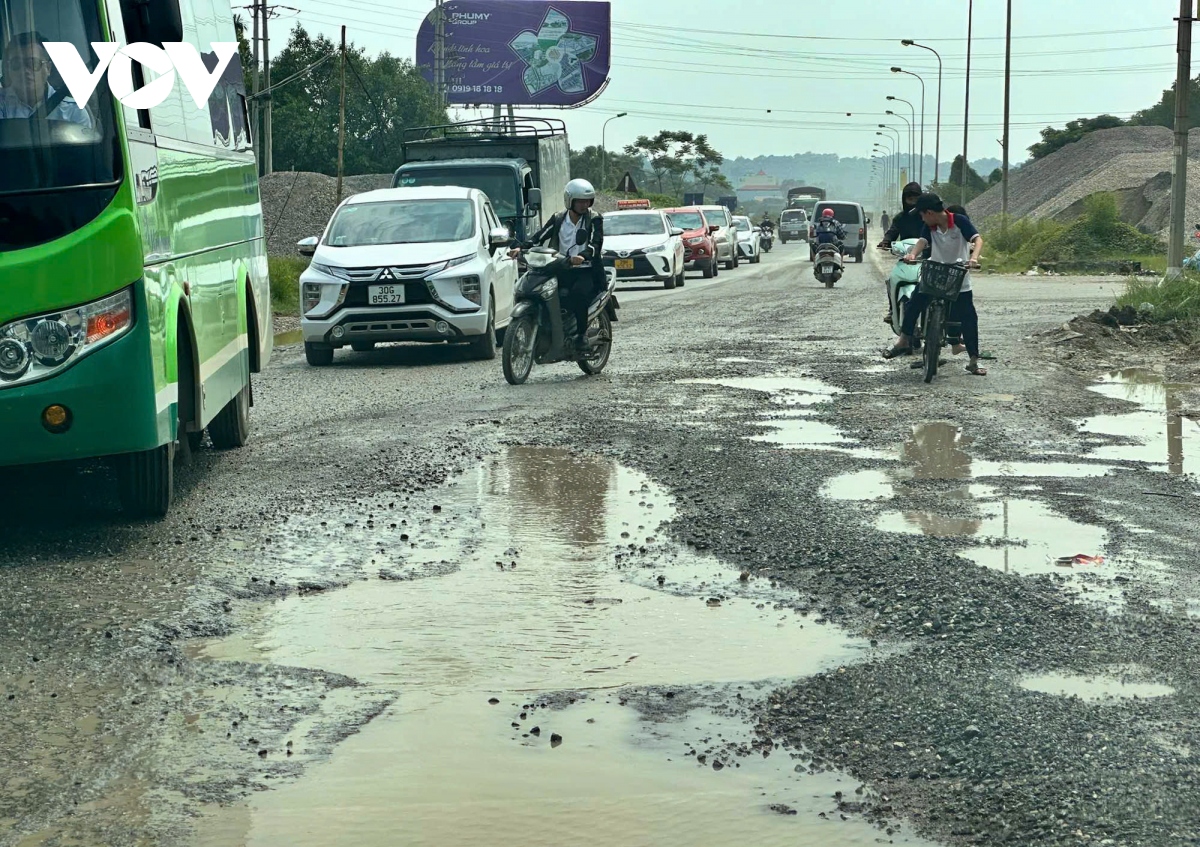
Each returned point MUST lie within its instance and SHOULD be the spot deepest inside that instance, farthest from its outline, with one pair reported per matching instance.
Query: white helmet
(578, 189)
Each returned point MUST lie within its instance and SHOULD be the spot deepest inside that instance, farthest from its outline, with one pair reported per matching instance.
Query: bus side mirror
(154, 21)
(535, 198)
(308, 246)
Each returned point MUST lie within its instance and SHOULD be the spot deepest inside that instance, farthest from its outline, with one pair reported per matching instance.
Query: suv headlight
(471, 289)
(694, 241)
(40, 346)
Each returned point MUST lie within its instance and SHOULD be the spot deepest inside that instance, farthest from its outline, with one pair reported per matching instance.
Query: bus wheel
(147, 481)
(231, 427)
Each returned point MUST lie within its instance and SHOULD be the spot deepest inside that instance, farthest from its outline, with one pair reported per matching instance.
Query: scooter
(767, 241)
(1193, 261)
(542, 331)
(902, 283)
(828, 265)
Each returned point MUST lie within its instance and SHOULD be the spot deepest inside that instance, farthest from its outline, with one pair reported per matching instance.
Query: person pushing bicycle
(950, 239)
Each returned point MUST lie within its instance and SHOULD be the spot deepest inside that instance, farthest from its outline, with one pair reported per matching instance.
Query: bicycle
(941, 283)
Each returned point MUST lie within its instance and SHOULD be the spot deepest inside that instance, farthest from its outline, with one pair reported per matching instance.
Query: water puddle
(784, 390)
(294, 336)
(1159, 434)
(566, 587)
(1123, 684)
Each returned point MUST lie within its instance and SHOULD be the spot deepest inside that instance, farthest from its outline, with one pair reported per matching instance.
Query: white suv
(407, 264)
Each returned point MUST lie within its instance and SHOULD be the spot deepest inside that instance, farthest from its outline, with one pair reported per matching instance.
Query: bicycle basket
(941, 281)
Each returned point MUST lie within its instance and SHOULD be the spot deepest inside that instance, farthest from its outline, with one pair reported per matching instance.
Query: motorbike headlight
(549, 289)
(40, 346)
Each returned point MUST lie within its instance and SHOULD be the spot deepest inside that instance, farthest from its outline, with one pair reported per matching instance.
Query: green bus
(134, 298)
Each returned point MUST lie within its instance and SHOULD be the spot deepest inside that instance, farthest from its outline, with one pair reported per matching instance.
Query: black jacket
(593, 225)
(905, 226)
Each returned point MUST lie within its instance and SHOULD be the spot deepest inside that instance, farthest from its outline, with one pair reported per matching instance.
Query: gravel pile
(297, 204)
(1133, 162)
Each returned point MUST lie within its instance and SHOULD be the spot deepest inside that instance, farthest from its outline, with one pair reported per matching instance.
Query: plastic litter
(1078, 559)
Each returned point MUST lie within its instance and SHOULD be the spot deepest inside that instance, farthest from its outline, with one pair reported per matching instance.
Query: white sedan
(749, 239)
(643, 245)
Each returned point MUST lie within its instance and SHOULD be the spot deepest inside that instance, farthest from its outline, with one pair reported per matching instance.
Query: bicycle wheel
(934, 327)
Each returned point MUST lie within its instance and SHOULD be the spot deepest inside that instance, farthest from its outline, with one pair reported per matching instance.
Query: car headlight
(471, 289)
(41, 346)
(661, 248)
(695, 241)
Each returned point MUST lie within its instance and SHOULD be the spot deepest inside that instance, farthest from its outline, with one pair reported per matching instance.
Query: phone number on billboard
(477, 89)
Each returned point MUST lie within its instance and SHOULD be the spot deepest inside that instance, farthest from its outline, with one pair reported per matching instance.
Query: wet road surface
(748, 586)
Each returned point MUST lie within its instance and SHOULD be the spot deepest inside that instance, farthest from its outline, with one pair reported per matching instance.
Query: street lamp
(910, 136)
(912, 129)
(899, 148)
(908, 42)
(922, 81)
(604, 151)
(893, 165)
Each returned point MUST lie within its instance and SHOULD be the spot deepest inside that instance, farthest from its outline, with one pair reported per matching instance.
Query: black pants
(962, 312)
(577, 290)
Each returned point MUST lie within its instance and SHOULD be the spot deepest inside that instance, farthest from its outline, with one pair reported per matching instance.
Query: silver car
(407, 264)
(725, 236)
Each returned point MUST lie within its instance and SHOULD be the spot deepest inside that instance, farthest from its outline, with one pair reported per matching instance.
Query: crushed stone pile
(1132, 162)
(297, 204)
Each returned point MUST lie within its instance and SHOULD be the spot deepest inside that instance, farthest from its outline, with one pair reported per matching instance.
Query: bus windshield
(48, 142)
(499, 184)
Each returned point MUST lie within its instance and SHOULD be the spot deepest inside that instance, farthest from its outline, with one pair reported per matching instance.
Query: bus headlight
(39, 346)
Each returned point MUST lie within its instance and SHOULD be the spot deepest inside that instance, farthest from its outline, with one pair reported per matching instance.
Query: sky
(717, 66)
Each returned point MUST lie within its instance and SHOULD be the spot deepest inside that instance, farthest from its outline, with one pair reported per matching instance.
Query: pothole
(562, 583)
(1159, 433)
(294, 336)
(1122, 684)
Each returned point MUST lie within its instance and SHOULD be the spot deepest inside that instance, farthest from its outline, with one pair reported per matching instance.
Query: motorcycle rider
(906, 225)
(830, 230)
(766, 223)
(584, 279)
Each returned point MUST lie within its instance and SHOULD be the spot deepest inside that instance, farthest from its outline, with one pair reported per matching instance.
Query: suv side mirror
(676, 231)
(713, 229)
(308, 246)
(154, 21)
(535, 198)
(498, 237)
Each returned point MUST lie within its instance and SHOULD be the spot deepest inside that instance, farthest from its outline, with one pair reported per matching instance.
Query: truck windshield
(402, 222)
(499, 184)
(789, 217)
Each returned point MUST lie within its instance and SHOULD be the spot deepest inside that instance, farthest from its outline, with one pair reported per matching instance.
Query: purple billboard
(521, 52)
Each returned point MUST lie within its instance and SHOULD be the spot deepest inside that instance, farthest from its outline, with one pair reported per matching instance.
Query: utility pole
(439, 53)
(1007, 101)
(254, 111)
(1183, 88)
(342, 122)
(967, 103)
(268, 159)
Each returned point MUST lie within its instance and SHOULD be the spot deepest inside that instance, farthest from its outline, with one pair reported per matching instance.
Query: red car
(700, 249)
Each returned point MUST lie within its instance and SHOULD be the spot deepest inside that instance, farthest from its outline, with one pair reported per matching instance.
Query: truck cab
(521, 164)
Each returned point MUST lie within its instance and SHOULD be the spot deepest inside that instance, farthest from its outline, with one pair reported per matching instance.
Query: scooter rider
(830, 230)
(579, 284)
(905, 226)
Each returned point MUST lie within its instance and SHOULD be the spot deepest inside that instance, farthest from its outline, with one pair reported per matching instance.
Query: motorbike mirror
(308, 246)
(581, 237)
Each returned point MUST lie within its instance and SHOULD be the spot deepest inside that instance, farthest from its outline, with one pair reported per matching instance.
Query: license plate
(624, 264)
(385, 295)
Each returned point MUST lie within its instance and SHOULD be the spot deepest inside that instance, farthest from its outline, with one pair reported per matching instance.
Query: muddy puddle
(1158, 433)
(565, 585)
(295, 336)
(1121, 684)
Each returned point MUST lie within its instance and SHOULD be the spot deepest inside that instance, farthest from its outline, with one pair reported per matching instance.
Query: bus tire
(230, 429)
(147, 482)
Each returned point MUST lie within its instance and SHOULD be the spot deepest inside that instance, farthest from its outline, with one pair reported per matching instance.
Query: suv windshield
(687, 221)
(634, 225)
(499, 184)
(717, 217)
(402, 222)
(47, 140)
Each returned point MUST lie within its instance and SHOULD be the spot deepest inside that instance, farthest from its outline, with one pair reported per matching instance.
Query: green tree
(1055, 139)
(996, 177)
(675, 157)
(384, 96)
(951, 191)
(1162, 113)
(589, 164)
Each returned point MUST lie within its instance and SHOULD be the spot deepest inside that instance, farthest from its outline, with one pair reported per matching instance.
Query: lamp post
(908, 42)
(912, 128)
(921, 80)
(893, 169)
(604, 151)
(967, 100)
(888, 163)
(899, 148)
(910, 137)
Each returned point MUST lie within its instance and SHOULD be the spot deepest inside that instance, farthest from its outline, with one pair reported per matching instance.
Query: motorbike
(828, 264)
(542, 332)
(902, 283)
(767, 241)
(1193, 261)
(941, 283)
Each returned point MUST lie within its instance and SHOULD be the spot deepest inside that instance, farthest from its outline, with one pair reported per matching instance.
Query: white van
(850, 215)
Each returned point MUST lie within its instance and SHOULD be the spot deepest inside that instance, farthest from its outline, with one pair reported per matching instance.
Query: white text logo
(173, 57)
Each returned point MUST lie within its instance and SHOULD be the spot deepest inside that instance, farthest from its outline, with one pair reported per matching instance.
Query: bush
(1172, 300)
(285, 283)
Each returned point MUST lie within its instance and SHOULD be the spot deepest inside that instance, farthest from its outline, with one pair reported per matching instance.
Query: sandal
(897, 352)
(975, 370)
